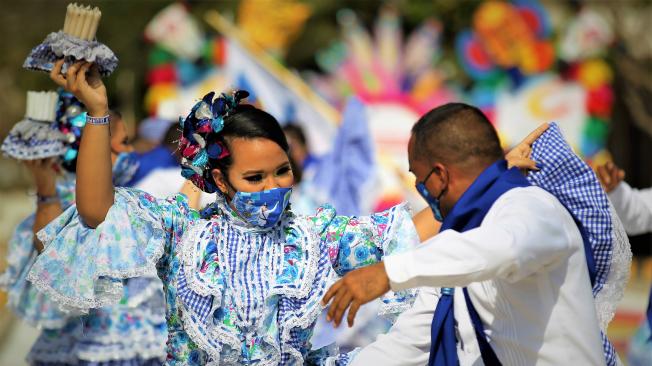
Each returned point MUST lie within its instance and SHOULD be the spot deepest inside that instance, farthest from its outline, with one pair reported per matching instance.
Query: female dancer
(131, 333)
(244, 278)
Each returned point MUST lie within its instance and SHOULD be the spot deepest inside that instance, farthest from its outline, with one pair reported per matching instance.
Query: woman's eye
(283, 171)
(254, 178)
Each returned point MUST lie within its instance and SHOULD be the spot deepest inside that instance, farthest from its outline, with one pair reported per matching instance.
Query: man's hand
(355, 289)
(519, 156)
(83, 80)
(610, 176)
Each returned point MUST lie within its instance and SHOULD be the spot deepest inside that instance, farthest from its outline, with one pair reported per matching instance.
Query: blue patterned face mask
(125, 167)
(263, 209)
(433, 202)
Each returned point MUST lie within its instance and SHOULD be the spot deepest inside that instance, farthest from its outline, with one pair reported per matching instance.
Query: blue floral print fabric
(235, 293)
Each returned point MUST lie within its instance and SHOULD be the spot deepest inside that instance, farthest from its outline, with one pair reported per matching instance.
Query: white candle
(38, 104)
(52, 110)
(66, 22)
(97, 14)
(73, 19)
(86, 24)
(28, 107)
(48, 110)
(76, 29)
(40, 101)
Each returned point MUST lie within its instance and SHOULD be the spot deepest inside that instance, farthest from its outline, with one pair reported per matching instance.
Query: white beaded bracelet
(98, 120)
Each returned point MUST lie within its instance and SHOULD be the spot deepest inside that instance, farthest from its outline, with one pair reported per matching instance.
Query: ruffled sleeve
(25, 301)
(353, 242)
(83, 268)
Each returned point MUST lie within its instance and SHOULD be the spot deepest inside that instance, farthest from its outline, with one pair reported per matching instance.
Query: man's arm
(634, 208)
(525, 231)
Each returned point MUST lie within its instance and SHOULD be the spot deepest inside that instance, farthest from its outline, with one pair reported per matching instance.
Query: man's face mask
(432, 201)
(263, 209)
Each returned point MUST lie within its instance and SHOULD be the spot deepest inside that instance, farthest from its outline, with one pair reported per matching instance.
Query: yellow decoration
(594, 73)
(158, 93)
(427, 84)
(272, 24)
(601, 158)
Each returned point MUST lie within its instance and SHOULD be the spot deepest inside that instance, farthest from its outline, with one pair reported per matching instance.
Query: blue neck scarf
(467, 214)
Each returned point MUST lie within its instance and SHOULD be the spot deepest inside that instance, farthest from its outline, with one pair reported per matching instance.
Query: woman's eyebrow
(260, 171)
(252, 172)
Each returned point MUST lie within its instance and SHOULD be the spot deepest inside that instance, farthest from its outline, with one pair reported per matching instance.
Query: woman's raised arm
(94, 191)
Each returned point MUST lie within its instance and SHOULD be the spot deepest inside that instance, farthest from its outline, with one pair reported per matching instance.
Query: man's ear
(220, 181)
(442, 172)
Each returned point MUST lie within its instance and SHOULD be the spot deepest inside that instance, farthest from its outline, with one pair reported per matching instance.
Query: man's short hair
(456, 133)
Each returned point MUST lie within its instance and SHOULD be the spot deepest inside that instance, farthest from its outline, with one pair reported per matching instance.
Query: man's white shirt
(526, 273)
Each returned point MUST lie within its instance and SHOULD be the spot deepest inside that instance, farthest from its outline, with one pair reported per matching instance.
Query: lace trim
(30, 140)
(58, 44)
(154, 288)
(187, 250)
(201, 334)
(311, 241)
(392, 310)
(58, 353)
(111, 294)
(310, 316)
(141, 336)
(107, 292)
(613, 290)
(194, 332)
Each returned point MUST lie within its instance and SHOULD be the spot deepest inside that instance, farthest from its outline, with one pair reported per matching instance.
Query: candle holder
(36, 136)
(75, 42)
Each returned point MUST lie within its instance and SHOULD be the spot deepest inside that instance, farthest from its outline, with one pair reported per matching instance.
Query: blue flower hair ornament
(70, 120)
(201, 138)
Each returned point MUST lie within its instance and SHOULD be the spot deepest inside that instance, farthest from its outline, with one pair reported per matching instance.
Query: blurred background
(585, 64)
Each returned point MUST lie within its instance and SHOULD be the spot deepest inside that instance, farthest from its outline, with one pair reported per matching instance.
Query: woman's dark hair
(248, 122)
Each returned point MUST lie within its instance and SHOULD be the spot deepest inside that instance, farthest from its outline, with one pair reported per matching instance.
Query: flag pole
(275, 68)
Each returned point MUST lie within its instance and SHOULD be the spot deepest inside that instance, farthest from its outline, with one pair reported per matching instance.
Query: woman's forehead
(256, 153)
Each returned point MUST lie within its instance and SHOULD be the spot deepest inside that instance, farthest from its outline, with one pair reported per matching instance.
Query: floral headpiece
(70, 120)
(201, 139)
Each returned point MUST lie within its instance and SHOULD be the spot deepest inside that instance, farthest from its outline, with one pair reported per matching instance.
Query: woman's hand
(44, 174)
(83, 80)
(192, 193)
(94, 186)
(610, 176)
(519, 156)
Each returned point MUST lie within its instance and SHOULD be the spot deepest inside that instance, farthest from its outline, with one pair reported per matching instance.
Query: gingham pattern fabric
(574, 183)
(287, 306)
(201, 305)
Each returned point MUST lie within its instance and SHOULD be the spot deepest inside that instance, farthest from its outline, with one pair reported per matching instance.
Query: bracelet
(98, 120)
(45, 200)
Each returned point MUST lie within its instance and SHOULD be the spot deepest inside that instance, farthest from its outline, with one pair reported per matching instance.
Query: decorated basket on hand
(36, 136)
(75, 42)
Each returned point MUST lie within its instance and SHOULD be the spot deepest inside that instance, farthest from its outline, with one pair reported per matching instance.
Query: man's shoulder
(534, 199)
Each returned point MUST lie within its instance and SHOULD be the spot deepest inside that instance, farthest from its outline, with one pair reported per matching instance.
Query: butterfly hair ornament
(201, 138)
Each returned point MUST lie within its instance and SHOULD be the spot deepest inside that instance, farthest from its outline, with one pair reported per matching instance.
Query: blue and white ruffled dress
(132, 332)
(235, 294)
